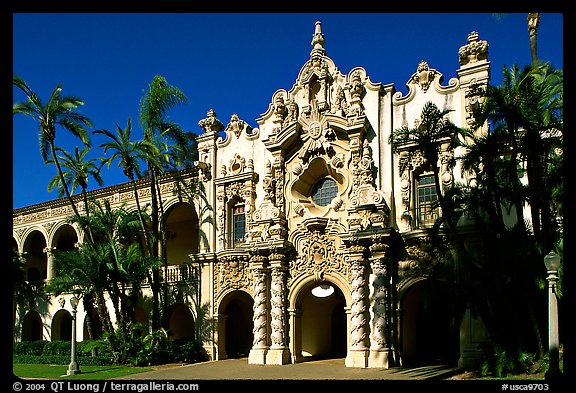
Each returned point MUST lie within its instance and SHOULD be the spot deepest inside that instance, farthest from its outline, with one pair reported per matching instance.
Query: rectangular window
(426, 198)
(238, 224)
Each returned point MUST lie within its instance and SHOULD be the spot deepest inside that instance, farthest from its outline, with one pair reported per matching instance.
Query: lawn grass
(49, 371)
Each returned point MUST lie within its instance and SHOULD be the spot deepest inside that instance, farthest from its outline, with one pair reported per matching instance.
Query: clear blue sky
(230, 62)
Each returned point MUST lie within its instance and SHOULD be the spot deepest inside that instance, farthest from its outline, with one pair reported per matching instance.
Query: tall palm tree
(57, 111)
(112, 227)
(542, 100)
(158, 100)
(84, 270)
(503, 110)
(129, 154)
(79, 168)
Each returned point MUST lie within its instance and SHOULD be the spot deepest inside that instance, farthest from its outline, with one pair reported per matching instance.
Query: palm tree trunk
(162, 252)
(55, 158)
(154, 252)
(533, 23)
(86, 209)
(89, 308)
(142, 224)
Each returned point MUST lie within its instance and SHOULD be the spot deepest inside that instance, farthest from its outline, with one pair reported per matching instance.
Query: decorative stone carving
(237, 126)
(380, 307)
(291, 114)
(259, 273)
(424, 76)
(474, 98)
(279, 169)
(269, 184)
(474, 51)
(231, 272)
(357, 91)
(211, 123)
(358, 308)
(340, 106)
(318, 254)
(237, 164)
(317, 138)
(363, 192)
(446, 157)
(278, 300)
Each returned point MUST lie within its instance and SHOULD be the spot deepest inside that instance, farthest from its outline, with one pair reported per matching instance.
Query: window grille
(324, 191)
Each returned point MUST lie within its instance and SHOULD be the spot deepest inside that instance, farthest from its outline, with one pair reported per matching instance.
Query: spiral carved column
(358, 353)
(380, 353)
(260, 344)
(278, 352)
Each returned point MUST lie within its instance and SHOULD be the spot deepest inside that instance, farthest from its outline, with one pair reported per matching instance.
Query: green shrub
(100, 346)
(62, 360)
(185, 350)
(57, 347)
(29, 348)
(501, 363)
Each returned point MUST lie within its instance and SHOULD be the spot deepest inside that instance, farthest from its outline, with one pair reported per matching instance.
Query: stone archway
(181, 323)
(319, 322)
(430, 324)
(62, 326)
(235, 324)
(32, 327)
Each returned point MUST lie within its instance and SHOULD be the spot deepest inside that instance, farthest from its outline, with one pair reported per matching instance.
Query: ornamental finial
(318, 40)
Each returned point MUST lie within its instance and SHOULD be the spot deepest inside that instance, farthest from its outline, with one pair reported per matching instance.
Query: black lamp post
(73, 368)
(552, 262)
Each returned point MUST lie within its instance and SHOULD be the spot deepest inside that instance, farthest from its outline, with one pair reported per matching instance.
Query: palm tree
(58, 111)
(84, 272)
(114, 227)
(433, 130)
(128, 153)
(541, 100)
(79, 168)
(154, 107)
(502, 109)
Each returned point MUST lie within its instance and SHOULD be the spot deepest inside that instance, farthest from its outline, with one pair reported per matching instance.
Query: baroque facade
(310, 233)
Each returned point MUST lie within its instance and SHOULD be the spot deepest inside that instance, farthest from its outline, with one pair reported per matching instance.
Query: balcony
(177, 273)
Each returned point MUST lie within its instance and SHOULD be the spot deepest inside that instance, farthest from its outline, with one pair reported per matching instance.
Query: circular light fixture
(323, 290)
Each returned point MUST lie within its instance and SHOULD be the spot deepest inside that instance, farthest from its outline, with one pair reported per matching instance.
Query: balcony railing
(177, 273)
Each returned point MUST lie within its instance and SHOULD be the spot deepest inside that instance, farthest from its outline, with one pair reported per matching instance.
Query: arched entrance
(430, 324)
(180, 322)
(321, 322)
(62, 326)
(32, 327)
(235, 325)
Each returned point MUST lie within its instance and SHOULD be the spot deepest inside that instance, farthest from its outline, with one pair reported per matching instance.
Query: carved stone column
(278, 352)
(260, 344)
(381, 355)
(358, 352)
(296, 335)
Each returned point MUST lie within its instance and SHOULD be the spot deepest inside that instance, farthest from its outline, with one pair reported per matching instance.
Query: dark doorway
(239, 325)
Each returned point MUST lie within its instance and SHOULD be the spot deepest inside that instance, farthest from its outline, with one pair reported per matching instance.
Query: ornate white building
(310, 232)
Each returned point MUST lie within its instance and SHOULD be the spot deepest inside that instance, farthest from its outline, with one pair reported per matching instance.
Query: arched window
(324, 191)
